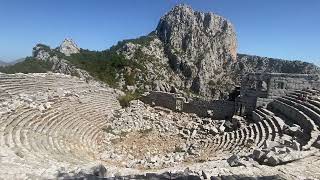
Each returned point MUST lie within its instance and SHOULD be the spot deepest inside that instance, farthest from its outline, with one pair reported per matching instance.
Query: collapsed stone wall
(219, 109)
(158, 98)
(259, 89)
(216, 109)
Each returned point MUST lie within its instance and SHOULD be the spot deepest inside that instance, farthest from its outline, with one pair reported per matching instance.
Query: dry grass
(143, 142)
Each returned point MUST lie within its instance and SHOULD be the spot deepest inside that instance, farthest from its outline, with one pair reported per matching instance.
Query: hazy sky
(288, 29)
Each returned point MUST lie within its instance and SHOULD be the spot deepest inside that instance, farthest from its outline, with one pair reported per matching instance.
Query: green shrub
(130, 79)
(125, 100)
(43, 46)
(105, 65)
(108, 129)
(142, 40)
(178, 149)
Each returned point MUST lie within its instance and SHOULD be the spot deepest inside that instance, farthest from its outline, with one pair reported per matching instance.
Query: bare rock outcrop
(199, 45)
(59, 65)
(248, 64)
(69, 47)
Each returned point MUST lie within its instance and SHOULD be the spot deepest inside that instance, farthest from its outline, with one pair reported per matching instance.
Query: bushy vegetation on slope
(142, 40)
(129, 96)
(104, 66)
(107, 66)
(29, 65)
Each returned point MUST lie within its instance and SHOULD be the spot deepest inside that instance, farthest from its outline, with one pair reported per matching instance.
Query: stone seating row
(25, 124)
(70, 131)
(266, 128)
(304, 113)
(13, 83)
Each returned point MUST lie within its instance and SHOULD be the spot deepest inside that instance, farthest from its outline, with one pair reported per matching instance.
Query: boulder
(222, 128)
(317, 144)
(294, 130)
(99, 171)
(258, 154)
(41, 108)
(234, 161)
(272, 161)
(204, 175)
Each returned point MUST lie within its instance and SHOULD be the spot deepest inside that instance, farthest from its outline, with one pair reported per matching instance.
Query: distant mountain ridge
(3, 63)
(6, 63)
(251, 63)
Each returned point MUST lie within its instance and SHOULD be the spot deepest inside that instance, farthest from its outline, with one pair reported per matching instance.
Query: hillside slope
(251, 63)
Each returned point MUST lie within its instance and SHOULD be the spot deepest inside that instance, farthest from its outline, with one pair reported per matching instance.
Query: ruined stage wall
(218, 109)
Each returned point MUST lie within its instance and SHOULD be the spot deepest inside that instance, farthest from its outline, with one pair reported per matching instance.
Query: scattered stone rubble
(177, 135)
(41, 100)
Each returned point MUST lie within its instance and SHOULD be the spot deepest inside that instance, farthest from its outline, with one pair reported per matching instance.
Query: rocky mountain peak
(199, 45)
(181, 9)
(68, 47)
(182, 27)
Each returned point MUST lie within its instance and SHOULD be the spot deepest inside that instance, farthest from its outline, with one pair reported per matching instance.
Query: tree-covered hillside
(29, 65)
(104, 66)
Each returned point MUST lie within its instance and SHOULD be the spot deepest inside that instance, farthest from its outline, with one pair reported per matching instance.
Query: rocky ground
(141, 136)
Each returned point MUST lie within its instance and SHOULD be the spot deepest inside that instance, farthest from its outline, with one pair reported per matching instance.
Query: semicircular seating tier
(53, 118)
(270, 123)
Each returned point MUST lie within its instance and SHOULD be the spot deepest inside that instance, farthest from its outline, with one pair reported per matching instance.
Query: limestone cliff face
(199, 45)
(193, 49)
(190, 34)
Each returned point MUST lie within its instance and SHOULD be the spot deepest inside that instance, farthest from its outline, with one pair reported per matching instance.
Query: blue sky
(288, 29)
